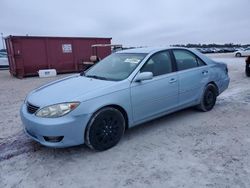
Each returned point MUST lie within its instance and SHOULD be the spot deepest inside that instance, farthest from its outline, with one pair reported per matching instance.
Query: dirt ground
(185, 149)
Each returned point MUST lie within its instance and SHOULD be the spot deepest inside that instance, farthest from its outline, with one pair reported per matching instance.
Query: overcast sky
(130, 22)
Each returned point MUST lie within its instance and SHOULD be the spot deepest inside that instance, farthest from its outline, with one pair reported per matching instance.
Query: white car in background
(4, 63)
(240, 53)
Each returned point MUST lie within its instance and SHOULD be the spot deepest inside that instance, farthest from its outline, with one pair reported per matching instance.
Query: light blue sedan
(125, 89)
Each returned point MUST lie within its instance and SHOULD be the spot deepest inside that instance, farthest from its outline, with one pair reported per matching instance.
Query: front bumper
(70, 127)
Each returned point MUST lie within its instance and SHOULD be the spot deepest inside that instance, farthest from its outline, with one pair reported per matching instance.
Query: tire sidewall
(238, 54)
(92, 120)
(209, 87)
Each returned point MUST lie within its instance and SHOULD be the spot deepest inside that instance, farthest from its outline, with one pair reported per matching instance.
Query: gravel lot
(184, 149)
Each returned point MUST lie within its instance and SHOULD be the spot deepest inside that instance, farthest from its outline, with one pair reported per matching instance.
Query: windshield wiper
(96, 77)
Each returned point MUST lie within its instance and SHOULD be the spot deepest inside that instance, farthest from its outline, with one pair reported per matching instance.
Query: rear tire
(105, 129)
(208, 99)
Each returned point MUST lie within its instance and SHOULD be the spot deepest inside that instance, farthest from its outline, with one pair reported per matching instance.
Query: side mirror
(144, 76)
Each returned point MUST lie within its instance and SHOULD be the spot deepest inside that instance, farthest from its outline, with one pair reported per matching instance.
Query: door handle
(205, 72)
(172, 80)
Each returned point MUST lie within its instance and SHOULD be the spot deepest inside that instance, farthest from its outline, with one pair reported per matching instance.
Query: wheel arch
(124, 113)
(117, 107)
(236, 54)
(215, 85)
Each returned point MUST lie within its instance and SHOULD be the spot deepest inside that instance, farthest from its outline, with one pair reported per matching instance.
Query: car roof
(145, 50)
(151, 50)
(148, 50)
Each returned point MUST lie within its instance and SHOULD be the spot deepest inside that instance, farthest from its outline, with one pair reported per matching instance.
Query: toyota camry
(123, 90)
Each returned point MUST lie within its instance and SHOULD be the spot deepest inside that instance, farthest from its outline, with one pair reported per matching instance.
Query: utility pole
(2, 40)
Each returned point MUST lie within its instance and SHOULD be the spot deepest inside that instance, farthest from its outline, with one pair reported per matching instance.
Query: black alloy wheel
(105, 129)
(209, 98)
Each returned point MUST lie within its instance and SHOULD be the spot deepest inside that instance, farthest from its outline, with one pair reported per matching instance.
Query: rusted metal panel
(27, 54)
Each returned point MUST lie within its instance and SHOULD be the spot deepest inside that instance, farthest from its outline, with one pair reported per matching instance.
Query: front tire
(238, 54)
(208, 99)
(105, 129)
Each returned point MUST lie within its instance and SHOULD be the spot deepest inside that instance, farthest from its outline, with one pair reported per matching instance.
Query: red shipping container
(29, 54)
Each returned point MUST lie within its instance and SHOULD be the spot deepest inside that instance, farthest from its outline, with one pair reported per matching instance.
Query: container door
(11, 59)
(33, 55)
(102, 52)
(61, 55)
(82, 52)
(17, 48)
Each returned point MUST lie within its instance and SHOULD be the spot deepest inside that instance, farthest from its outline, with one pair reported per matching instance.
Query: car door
(246, 52)
(193, 76)
(150, 98)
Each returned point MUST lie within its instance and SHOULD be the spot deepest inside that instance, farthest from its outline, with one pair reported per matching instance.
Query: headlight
(57, 110)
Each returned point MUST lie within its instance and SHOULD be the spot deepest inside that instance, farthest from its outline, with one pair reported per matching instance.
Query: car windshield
(115, 67)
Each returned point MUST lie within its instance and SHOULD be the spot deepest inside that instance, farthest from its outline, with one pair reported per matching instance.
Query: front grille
(31, 108)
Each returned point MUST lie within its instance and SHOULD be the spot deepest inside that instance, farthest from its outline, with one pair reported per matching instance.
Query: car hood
(69, 89)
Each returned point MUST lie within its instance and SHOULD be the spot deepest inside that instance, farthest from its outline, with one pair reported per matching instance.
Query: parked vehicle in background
(205, 50)
(4, 63)
(240, 53)
(216, 50)
(3, 51)
(125, 89)
(200, 50)
(247, 69)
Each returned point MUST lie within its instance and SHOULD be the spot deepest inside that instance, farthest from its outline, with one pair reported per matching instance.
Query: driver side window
(158, 64)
